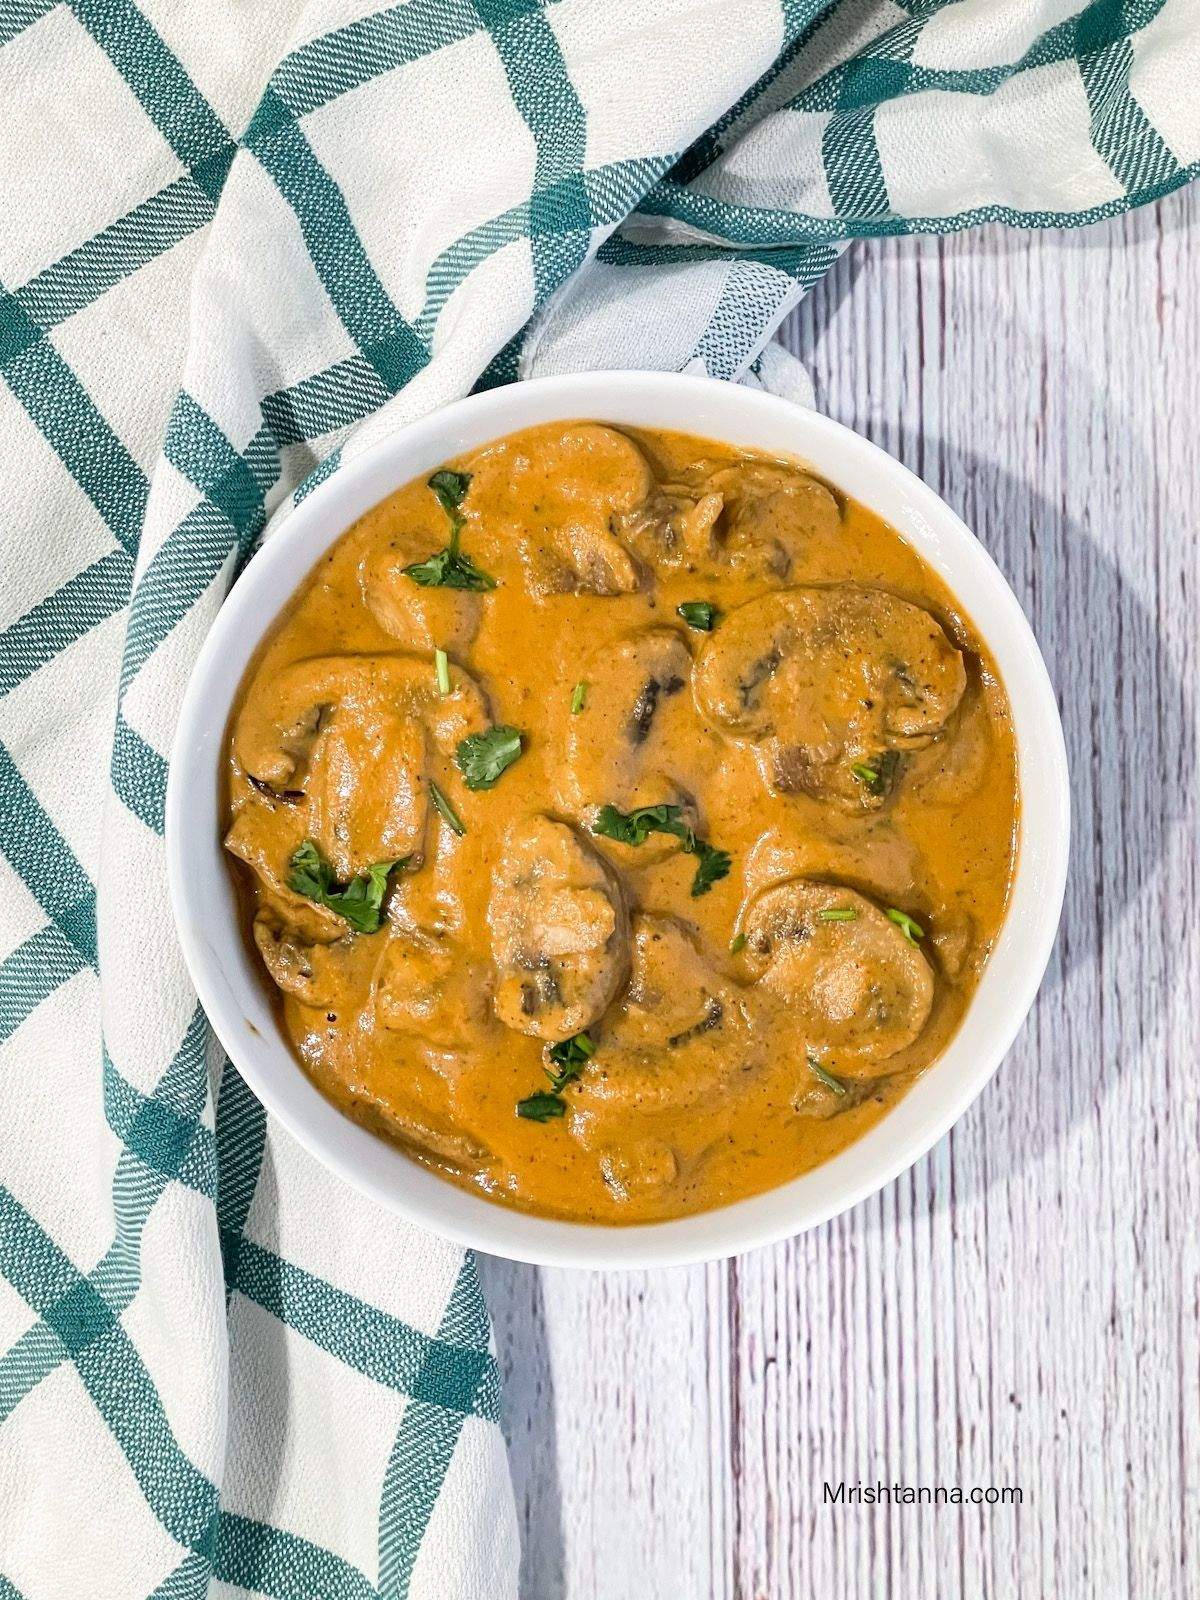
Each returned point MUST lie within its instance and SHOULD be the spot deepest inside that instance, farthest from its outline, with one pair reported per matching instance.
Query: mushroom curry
(624, 820)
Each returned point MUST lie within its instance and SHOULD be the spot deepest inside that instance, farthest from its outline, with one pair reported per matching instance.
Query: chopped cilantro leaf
(451, 490)
(635, 827)
(878, 776)
(360, 901)
(540, 1107)
(568, 1058)
(712, 866)
(699, 614)
(449, 568)
(482, 757)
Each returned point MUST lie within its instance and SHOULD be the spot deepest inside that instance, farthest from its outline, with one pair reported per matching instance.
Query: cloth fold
(243, 241)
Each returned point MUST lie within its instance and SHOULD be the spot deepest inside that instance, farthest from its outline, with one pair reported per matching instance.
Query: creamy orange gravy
(742, 1036)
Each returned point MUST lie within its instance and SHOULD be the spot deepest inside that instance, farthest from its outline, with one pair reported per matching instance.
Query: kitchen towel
(240, 239)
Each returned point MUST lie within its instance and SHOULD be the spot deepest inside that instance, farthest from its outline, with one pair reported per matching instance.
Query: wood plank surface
(1023, 1307)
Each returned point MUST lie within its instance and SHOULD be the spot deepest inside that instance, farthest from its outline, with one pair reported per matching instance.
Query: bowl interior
(234, 993)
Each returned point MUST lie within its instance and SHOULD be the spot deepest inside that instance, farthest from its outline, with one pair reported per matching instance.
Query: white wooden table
(1022, 1307)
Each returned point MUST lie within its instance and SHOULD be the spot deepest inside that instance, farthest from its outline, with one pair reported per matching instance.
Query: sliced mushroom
(559, 928)
(314, 974)
(431, 1135)
(872, 855)
(820, 1101)
(360, 725)
(673, 529)
(821, 680)
(640, 1167)
(562, 492)
(639, 710)
(265, 834)
(279, 720)
(679, 1034)
(954, 942)
(771, 515)
(429, 988)
(419, 618)
(367, 787)
(852, 985)
(957, 768)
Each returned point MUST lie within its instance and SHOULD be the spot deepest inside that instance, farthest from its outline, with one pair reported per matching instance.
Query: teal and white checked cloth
(240, 238)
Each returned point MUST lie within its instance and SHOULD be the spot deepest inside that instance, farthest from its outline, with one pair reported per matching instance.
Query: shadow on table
(1131, 748)
(514, 1296)
(1097, 539)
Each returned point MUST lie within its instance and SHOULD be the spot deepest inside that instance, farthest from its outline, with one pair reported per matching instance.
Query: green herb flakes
(713, 865)
(879, 776)
(827, 1078)
(541, 1107)
(568, 1059)
(911, 929)
(482, 757)
(699, 614)
(359, 902)
(446, 811)
(449, 568)
(635, 827)
(451, 490)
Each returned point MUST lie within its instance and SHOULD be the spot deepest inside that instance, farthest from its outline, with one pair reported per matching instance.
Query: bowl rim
(380, 1169)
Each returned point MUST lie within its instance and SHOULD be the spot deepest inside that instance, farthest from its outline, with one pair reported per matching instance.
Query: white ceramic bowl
(234, 993)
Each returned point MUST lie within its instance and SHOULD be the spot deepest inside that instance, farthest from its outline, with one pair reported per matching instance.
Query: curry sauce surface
(740, 1036)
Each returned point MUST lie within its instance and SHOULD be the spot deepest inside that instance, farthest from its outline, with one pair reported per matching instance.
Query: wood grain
(1023, 1307)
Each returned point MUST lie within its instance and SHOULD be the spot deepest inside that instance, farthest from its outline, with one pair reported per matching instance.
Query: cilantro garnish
(568, 1058)
(540, 1107)
(482, 757)
(911, 929)
(699, 614)
(360, 901)
(635, 827)
(878, 776)
(449, 568)
(446, 811)
(827, 1078)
